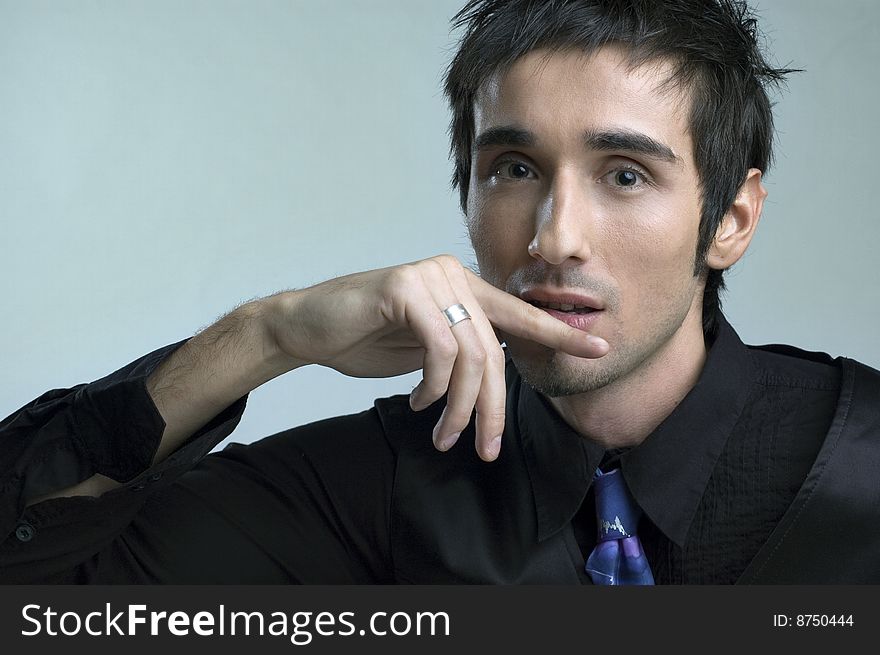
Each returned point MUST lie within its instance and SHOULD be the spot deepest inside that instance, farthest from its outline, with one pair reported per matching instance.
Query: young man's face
(584, 191)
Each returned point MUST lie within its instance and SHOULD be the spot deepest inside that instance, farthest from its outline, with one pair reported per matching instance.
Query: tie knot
(616, 511)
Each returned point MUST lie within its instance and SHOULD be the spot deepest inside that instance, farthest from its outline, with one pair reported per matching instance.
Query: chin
(556, 374)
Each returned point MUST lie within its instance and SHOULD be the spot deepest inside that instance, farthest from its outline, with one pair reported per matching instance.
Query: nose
(563, 222)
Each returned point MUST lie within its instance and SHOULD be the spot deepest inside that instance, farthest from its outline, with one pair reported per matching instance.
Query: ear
(734, 233)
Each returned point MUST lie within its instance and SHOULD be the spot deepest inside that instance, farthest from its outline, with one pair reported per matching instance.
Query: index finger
(521, 319)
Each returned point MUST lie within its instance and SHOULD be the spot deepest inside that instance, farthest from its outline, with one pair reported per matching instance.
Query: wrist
(266, 317)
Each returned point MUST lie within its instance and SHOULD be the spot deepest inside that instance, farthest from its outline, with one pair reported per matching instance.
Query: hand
(390, 321)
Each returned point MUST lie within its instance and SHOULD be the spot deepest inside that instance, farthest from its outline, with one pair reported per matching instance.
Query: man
(609, 157)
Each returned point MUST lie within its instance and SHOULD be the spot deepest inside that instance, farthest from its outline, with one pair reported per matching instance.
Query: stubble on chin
(556, 374)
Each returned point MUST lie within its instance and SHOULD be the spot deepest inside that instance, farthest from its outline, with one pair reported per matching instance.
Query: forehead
(559, 92)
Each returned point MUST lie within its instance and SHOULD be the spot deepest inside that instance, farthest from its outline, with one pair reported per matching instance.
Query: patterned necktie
(618, 558)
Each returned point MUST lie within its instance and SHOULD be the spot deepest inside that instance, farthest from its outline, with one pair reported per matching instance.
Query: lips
(575, 309)
(564, 307)
(565, 301)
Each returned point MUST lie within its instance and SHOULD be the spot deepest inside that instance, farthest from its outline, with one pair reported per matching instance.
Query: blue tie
(618, 558)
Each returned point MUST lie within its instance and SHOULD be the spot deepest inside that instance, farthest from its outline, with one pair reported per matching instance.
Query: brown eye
(518, 171)
(514, 171)
(626, 178)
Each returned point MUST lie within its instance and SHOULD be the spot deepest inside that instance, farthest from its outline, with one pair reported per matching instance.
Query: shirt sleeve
(310, 505)
(110, 426)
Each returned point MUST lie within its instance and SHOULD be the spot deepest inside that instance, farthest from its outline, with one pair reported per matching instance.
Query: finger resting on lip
(520, 319)
(576, 342)
(510, 314)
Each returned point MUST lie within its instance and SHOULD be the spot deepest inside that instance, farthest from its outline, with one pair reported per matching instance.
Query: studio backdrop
(163, 161)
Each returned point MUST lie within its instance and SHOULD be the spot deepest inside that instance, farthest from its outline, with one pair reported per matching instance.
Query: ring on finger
(456, 314)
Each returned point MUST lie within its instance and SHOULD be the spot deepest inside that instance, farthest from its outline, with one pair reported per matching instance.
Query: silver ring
(456, 314)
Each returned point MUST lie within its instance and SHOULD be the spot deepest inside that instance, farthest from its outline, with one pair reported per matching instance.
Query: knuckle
(446, 346)
(431, 267)
(492, 411)
(434, 388)
(495, 357)
(447, 261)
(402, 277)
(476, 357)
(531, 317)
(495, 417)
(457, 418)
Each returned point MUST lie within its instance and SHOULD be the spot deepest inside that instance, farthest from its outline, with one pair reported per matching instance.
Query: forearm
(200, 379)
(212, 370)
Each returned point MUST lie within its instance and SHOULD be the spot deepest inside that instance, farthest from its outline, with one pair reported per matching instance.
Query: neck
(624, 412)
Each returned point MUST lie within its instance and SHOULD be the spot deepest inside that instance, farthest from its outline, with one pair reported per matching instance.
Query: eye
(513, 170)
(626, 178)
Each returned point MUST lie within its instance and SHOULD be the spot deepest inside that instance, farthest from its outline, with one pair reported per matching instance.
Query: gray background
(161, 162)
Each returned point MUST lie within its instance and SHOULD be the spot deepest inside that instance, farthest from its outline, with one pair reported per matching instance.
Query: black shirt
(366, 498)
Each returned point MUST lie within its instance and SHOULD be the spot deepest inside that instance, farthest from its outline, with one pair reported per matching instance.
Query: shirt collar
(560, 462)
(667, 473)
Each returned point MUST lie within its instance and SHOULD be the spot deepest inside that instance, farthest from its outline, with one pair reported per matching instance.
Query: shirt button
(138, 487)
(156, 477)
(24, 532)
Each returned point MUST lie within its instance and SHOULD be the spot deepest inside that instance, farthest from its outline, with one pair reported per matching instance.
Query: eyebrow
(506, 135)
(616, 140)
(629, 141)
